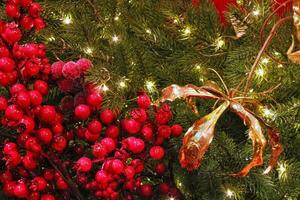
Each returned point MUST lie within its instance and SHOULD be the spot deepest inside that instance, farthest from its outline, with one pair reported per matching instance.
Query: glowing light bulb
(122, 84)
(268, 113)
(115, 39)
(150, 85)
(104, 88)
(260, 72)
(148, 31)
(265, 61)
(198, 67)
(171, 198)
(116, 18)
(88, 50)
(175, 21)
(229, 193)
(51, 38)
(256, 12)
(67, 19)
(219, 43)
(187, 31)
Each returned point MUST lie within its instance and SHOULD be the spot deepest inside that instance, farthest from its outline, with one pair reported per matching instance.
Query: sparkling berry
(82, 112)
(107, 116)
(41, 86)
(157, 152)
(95, 127)
(84, 164)
(48, 114)
(144, 101)
(112, 131)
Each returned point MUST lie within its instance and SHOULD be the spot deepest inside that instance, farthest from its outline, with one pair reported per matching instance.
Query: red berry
(56, 69)
(61, 184)
(109, 144)
(95, 127)
(11, 33)
(39, 183)
(129, 172)
(48, 114)
(57, 128)
(91, 137)
(107, 116)
(27, 124)
(84, 64)
(144, 101)
(16, 88)
(4, 80)
(27, 22)
(134, 144)
(23, 99)
(94, 99)
(164, 188)
(139, 114)
(112, 131)
(99, 151)
(8, 188)
(7, 64)
(59, 143)
(48, 174)
(41, 86)
(6, 176)
(71, 70)
(157, 152)
(39, 23)
(102, 177)
(45, 135)
(13, 159)
(13, 113)
(25, 3)
(82, 112)
(47, 197)
(84, 164)
(34, 196)
(9, 146)
(164, 131)
(147, 132)
(176, 130)
(160, 168)
(145, 190)
(4, 52)
(117, 166)
(35, 97)
(21, 190)
(12, 10)
(138, 165)
(32, 144)
(131, 126)
(35, 9)
(3, 103)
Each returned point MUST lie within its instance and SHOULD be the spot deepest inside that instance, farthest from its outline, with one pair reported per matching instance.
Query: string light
(51, 38)
(150, 85)
(148, 31)
(260, 72)
(197, 67)
(268, 113)
(256, 12)
(219, 43)
(67, 19)
(175, 21)
(115, 39)
(171, 198)
(88, 50)
(116, 18)
(229, 193)
(122, 84)
(187, 31)
(265, 61)
(104, 88)
(282, 171)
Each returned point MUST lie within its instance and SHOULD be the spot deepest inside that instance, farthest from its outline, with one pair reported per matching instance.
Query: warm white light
(268, 113)
(265, 61)
(104, 88)
(171, 198)
(229, 193)
(148, 31)
(280, 66)
(256, 12)
(175, 21)
(67, 19)
(260, 72)
(51, 38)
(150, 85)
(219, 43)
(198, 67)
(122, 84)
(116, 18)
(115, 38)
(187, 31)
(88, 50)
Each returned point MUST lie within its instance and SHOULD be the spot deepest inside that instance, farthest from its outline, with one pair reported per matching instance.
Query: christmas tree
(89, 106)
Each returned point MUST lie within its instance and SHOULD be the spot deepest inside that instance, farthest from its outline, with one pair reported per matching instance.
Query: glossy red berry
(117, 166)
(7, 64)
(99, 151)
(33, 145)
(94, 99)
(147, 132)
(35, 97)
(13, 113)
(23, 99)
(91, 137)
(13, 159)
(8, 188)
(47, 197)
(109, 144)
(131, 126)
(39, 23)
(27, 22)
(102, 177)
(3, 103)
(48, 174)
(35, 9)
(82, 112)
(129, 172)
(9, 146)
(57, 128)
(164, 188)
(48, 114)
(133, 144)
(112, 131)
(138, 165)
(95, 127)
(176, 130)
(144, 101)
(59, 143)
(12, 10)
(107, 116)
(4, 80)
(164, 131)
(11, 33)
(25, 3)
(39, 183)
(16, 88)
(61, 184)
(157, 152)
(145, 190)
(84, 164)
(41, 86)
(21, 190)
(45, 135)
(160, 168)
(27, 124)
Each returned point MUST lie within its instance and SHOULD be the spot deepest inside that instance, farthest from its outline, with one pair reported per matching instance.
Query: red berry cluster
(58, 150)
(26, 12)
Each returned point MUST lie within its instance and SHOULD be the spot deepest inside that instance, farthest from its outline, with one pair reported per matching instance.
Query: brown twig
(262, 50)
